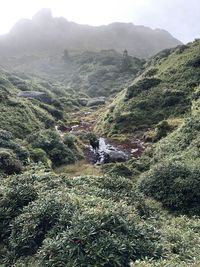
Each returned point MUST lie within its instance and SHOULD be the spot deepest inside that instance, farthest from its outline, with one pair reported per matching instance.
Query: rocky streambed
(107, 153)
(107, 150)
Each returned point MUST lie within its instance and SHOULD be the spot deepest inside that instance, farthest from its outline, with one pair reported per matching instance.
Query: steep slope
(18, 115)
(29, 110)
(163, 90)
(174, 176)
(45, 33)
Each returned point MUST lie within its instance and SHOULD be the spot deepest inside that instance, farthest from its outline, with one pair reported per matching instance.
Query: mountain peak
(43, 15)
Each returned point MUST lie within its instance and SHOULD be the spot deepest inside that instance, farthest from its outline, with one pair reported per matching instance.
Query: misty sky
(180, 17)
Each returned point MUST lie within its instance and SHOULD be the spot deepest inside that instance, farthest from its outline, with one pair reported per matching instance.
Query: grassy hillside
(23, 116)
(174, 177)
(162, 91)
(18, 115)
(27, 125)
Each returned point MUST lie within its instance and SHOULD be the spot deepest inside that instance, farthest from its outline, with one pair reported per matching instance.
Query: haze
(180, 18)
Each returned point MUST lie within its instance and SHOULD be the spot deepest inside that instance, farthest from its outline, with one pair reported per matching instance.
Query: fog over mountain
(44, 32)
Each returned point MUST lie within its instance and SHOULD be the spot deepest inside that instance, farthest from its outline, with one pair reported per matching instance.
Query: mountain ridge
(43, 29)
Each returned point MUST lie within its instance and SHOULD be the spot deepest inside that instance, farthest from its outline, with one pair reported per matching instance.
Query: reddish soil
(132, 148)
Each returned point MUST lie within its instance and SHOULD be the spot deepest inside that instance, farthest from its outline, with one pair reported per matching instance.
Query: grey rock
(96, 102)
(42, 96)
(115, 156)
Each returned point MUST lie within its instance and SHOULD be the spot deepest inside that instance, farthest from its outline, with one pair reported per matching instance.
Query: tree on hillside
(126, 62)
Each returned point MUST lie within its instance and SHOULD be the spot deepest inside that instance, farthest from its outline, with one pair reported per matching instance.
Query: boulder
(42, 96)
(112, 156)
(96, 102)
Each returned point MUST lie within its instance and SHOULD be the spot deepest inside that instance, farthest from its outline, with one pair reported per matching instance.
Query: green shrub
(58, 152)
(176, 184)
(119, 169)
(162, 129)
(39, 155)
(142, 85)
(12, 199)
(151, 72)
(195, 62)
(29, 229)
(5, 135)
(101, 239)
(9, 163)
(55, 112)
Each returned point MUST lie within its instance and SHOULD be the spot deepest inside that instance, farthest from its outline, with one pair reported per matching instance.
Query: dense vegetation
(93, 74)
(174, 178)
(143, 212)
(164, 90)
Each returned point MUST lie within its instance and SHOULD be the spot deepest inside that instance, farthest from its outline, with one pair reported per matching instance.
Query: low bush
(29, 229)
(12, 200)
(100, 239)
(9, 164)
(162, 129)
(195, 62)
(175, 183)
(142, 85)
(59, 151)
(119, 169)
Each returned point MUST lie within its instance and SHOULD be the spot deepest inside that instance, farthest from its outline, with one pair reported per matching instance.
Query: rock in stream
(107, 153)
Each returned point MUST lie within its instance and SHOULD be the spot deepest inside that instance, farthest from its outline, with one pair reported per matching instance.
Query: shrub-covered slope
(27, 125)
(18, 115)
(47, 220)
(95, 73)
(51, 220)
(163, 90)
(174, 177)
(21, 115)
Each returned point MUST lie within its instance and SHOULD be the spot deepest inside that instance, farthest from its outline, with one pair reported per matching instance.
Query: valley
(99, 148)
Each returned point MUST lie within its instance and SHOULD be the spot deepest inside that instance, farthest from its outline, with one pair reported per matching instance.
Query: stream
(107, 153)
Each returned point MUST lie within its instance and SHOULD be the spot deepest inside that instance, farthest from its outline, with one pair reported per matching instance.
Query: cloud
(179, 17)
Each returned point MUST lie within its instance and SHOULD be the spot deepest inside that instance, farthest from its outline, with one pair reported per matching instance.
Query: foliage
(162, 129)
(174, 175)
(79, 221)
(175, 183)
(118, 169)
(142, 85)
(59, 151)
(39, 155)
(163, 90)
(12, 154)
(9, 164)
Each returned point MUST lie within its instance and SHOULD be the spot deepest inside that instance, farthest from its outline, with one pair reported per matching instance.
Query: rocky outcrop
(109, 154)
(96, 102)
(42, 96)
